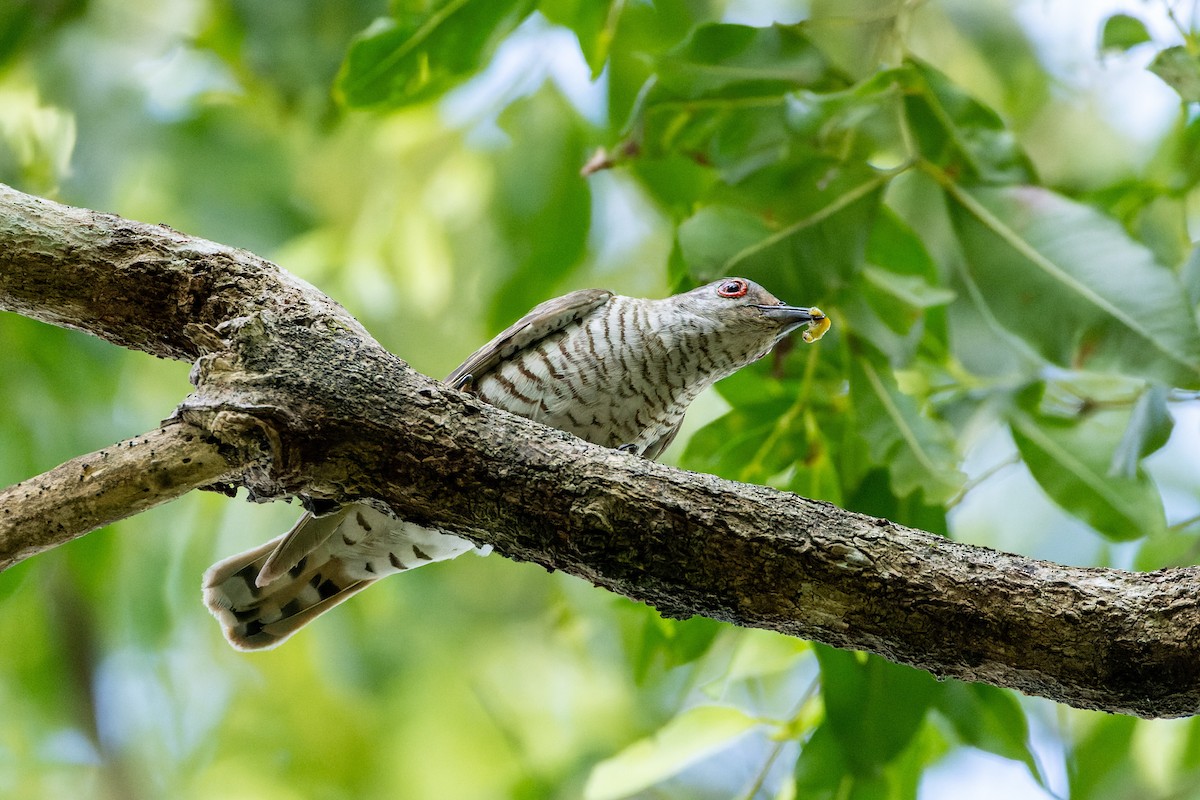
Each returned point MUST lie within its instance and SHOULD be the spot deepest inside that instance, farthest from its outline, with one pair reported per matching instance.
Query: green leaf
(991, 719)
(687, 739)
(917, 449)
(1070, 460)
(1071, 283)
(784, 427)
(542, 206)
(593, 23)
(755, 439)
(821, 771)
(14, 578)
(807, 248)
(873, 707)
(1149, 427)
(1099, 763)
(873, 495)
(677, 182)
(723, 98)
(857, 123)
(1168, 549)
(888, 302)
(717, 58)
(418, 55)
(24, 22)
(733, 446)
(1180, 69)
(1190, 275)
(671, 642)
(909, 289)
(647, 32)
(817, 474)
(762, 653)
(882, 308)
(960, 134)
(714, 235)
(894, 246)
(856, 34)
(1121, 32)
(1183, 151)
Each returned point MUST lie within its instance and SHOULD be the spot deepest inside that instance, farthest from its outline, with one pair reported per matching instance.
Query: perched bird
(616, 371)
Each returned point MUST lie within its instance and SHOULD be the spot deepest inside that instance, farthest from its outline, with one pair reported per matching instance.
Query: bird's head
(740, 307)
(739, 321)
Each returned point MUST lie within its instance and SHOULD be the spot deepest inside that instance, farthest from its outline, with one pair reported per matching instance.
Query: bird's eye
(733, 288)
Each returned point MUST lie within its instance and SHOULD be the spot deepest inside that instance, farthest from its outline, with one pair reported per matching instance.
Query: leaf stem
(967, 486)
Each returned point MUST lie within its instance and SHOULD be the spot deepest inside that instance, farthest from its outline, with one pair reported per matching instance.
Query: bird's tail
(264, 595)
(257, 617)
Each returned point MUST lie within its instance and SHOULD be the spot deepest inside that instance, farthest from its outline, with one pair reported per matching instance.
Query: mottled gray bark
(299, 400)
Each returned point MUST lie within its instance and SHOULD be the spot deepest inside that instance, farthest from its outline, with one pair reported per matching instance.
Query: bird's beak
(792, 317)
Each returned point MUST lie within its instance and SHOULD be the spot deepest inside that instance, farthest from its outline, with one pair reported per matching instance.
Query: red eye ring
(733, 288)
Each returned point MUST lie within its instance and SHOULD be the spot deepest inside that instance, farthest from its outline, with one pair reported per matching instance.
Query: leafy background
(993, 200)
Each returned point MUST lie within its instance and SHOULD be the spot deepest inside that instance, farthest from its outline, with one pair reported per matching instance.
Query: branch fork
(293, 397)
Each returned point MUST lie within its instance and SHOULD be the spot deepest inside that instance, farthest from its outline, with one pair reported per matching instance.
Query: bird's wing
(309, 533)
(545, 319)
(656, 448)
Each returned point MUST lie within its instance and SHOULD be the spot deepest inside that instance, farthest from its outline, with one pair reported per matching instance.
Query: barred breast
(622, 375)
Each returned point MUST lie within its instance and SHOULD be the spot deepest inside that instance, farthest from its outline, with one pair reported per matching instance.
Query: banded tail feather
(260, 599)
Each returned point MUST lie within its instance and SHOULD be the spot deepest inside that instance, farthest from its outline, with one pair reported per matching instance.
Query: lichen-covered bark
(308, 404)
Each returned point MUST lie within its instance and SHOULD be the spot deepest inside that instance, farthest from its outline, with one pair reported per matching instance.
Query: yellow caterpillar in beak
(818, 327)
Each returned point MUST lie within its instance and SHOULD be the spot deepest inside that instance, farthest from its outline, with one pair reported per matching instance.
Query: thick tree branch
(313, 406)
(141, 286)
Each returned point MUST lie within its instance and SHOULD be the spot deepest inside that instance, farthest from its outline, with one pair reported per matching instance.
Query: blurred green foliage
(1004, 247)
